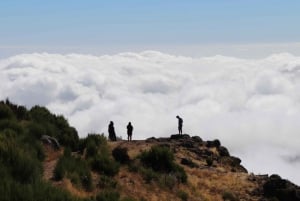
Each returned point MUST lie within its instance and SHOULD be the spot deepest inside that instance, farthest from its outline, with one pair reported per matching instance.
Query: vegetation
(99, 156)
(160, 160)
(229, 196)
(21, 155)
(183, 195)
(75, 169)
(121, 155)
(92, 165)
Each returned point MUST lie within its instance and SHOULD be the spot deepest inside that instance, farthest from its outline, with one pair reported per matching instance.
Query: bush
(183, 195)
(91, 150)
(149, 175)
(36, 130)
(120, 154)
(107, 182)
(228, 195)
(104, 165)
(22, 166)
(6, 112)
(168, 180)
(11, 124)
(75, 169)
(158, 158)
(108, 196)
(128, 199)
(161, 159)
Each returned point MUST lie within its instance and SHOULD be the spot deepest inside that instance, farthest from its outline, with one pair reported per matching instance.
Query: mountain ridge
(41, 156)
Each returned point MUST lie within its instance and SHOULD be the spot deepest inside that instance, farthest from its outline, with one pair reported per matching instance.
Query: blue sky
(91, 23)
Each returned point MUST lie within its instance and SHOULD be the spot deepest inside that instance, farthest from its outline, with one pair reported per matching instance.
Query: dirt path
(51, 159)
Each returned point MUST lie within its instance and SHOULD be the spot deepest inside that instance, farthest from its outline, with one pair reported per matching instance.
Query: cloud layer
(252, 106)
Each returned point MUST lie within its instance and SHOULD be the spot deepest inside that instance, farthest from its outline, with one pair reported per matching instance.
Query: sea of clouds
(251, 105)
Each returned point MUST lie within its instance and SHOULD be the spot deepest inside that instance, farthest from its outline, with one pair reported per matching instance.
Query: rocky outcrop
(46, 139)
(281, 189)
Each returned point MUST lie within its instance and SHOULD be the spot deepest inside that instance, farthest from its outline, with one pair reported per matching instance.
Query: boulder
(189, 163)
(197, 139)
(46, 139)
(214, 143)
(223, 151)
(151, 139)
(282, 189)
(178, 136)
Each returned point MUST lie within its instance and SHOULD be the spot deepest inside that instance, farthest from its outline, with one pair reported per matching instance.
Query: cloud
(246, 103)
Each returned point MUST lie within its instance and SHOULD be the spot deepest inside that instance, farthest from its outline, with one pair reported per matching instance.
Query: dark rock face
(234, 163)
(214, 143)
(282, 189)
(187, 162)
(197, 139)
(223, 151)
(151, 139)
(177, 136)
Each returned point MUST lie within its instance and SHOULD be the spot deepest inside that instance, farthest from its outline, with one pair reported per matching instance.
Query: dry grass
(204, 183)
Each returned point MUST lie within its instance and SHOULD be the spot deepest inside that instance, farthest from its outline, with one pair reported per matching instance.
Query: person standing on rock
(111, 132)
(180, 122)
(129, 131)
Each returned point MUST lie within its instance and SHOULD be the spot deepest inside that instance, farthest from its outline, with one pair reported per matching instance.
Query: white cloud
(246, 103)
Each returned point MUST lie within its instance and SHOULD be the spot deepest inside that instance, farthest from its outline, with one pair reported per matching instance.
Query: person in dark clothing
(111, 132)
(129, 131)
(180, 122)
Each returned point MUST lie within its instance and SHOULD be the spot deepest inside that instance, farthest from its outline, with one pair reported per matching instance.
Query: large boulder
(178, 136)
(46, 139)
(282, 189)
(214, 143)
(223, 151)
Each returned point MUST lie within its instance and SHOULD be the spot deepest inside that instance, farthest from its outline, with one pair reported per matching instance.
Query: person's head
(111, 122)
(177, 117)
(129, 123)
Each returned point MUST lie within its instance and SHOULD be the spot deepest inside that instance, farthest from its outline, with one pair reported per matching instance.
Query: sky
(229, 68)
(170, 25)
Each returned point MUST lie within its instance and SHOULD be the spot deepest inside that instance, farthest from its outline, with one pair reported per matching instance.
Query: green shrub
(228, 195)
(108, 196)
(75, 169)
(11, 124)
(161, 159)
(22, 166)
(107, 182)
(128, 199)
(6, 112)
(105, 165)
(91, 149)
(121, 155)
(158, 158)
(36, 130)
(183, 195)
(149, 175)
(168, 181)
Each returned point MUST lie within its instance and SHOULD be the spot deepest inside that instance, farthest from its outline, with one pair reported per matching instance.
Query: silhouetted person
(111, 132)
(129, 131)
(180, 122)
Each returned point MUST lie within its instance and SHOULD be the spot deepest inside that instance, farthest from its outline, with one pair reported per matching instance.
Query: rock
(282, 189)
(197, 139)
(187, 162)
(188, 144)
(177, 136)
(46, 139)
(223, 151)
(234, 163)
(151, 139)
(214, 143)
